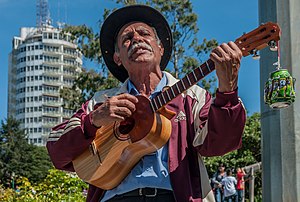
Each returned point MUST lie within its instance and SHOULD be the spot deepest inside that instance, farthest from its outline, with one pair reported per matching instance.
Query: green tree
(17, 157)
(57, 186)
(248, 154)
(36, 163)
(61, 186)
(12, 144)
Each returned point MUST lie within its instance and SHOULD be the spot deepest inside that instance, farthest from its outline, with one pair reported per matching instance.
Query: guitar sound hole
(126, 126)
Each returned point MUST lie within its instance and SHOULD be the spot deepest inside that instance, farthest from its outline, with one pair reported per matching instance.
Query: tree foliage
(248, 154)
(17, 157)
(57, 186)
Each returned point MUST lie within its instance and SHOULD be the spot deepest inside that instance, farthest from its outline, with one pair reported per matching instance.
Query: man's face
(137, 43)
(221, 168)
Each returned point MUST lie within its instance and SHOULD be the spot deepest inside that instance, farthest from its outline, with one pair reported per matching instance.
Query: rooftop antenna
(42, 14)
(66, 12)
(60, 22)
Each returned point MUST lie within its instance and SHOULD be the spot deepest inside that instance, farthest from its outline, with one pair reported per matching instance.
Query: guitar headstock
(259, 38)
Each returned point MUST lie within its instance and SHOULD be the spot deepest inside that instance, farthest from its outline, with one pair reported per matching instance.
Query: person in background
(217, 183)
(229, 182)
(240, 183)
(136, 44)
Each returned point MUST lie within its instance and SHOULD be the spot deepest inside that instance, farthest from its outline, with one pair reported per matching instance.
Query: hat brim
(116, 20)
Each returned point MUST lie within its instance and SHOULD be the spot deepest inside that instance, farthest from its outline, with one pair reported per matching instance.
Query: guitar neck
(255, 40)
(182, 85)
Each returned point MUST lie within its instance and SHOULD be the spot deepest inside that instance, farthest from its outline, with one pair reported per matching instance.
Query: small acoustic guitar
(118, 147)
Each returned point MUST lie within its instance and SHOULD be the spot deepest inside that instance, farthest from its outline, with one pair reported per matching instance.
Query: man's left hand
(227, 59)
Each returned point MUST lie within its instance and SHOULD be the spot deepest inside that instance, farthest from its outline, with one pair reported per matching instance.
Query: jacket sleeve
(214, 179)
(69, 139)
(222, 124)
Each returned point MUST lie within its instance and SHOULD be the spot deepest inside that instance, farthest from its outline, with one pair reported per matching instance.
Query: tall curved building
(43, 60)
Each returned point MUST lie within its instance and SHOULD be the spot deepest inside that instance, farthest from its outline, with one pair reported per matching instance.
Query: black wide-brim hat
(134, 13)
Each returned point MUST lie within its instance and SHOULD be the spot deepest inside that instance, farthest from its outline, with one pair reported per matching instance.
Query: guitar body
(112, 154)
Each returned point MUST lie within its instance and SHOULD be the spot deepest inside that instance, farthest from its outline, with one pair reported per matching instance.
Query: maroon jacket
(201, 127)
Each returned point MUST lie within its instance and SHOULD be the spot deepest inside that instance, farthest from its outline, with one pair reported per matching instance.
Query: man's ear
(161, 48)
(117, 59)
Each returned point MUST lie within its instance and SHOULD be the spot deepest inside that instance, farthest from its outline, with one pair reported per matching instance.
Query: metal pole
(251, 169)
(251, 185)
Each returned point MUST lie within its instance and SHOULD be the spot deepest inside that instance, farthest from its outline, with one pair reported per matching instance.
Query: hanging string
(278, 53)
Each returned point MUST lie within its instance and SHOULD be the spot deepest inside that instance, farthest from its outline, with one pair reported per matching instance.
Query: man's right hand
(116, 108)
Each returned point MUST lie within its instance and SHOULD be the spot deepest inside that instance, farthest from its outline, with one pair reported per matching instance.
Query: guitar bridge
(93, 149)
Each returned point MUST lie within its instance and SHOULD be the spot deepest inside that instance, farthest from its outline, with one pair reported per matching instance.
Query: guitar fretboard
(182, 85)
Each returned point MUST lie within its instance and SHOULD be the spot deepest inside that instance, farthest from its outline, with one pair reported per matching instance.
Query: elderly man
(136, 44)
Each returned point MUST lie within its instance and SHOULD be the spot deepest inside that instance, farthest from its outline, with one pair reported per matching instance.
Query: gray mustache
(138, 45)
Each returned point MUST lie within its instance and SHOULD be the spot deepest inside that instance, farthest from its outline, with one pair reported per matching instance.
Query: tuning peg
(275, 48)
(255, 55)
(273, 45)
(276, 64)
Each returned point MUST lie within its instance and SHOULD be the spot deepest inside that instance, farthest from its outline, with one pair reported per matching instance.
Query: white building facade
(42, 61)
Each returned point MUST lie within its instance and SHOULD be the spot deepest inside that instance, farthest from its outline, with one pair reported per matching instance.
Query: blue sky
(222, 20)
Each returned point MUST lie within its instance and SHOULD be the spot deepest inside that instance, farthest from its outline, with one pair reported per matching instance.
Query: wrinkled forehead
(133, 25)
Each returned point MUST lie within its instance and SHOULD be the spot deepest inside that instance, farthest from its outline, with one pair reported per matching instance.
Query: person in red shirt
(240, 187)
